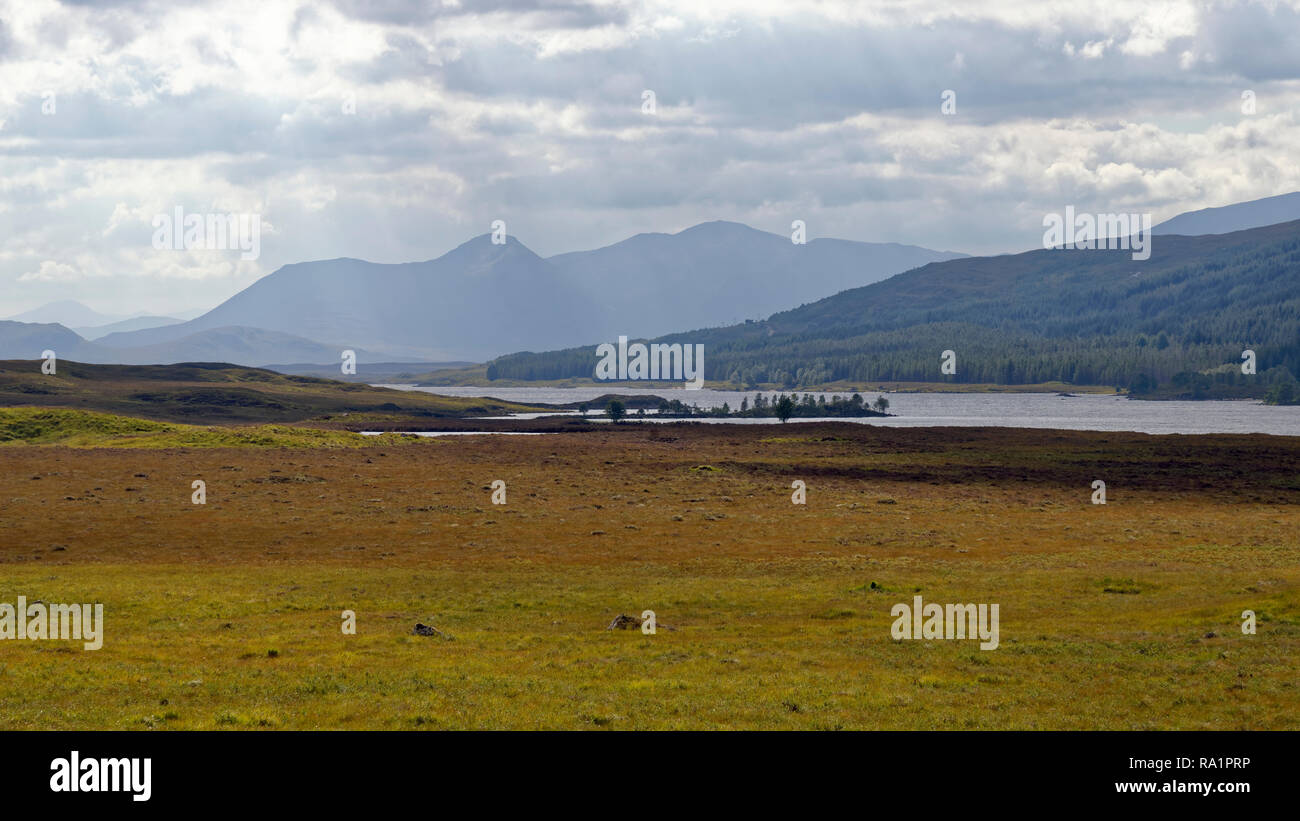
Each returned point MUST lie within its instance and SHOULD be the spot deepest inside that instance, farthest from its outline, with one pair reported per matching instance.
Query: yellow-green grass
(227, 615)
(804, 646)
(87, 429)
(230, 394)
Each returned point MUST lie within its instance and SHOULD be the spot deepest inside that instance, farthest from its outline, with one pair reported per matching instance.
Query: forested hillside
(1176, 323)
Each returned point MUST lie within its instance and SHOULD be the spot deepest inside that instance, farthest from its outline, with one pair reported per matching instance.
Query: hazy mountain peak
(483, 299)
(1238, 216)
(481, 252)
(721, 228)
(67, 312)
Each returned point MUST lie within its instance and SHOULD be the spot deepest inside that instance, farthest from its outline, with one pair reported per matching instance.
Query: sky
(394, 131)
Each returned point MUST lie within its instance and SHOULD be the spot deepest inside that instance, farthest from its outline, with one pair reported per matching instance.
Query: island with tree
(781, 407)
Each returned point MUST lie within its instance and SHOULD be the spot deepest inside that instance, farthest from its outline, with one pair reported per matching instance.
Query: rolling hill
(217, 393)
(27, 340)
(249, 346)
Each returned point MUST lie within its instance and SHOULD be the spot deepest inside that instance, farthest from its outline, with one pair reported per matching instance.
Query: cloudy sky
(394, 131)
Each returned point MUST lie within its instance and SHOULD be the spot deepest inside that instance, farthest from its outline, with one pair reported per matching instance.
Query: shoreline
(830, 387)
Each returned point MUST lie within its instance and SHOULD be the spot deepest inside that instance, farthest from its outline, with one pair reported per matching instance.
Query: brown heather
(1123, 616)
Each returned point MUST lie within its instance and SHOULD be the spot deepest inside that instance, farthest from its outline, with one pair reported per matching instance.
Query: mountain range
(20, 340)
(483, 300)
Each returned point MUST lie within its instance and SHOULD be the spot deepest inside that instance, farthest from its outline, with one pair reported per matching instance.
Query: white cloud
(764, 107)
(1094, 49)
(51, 271)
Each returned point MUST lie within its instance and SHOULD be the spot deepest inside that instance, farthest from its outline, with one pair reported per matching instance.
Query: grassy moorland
(227, 615)
(87, 429)
(215, 393)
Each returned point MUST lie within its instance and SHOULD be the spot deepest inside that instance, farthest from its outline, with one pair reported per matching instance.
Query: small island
(781, 407)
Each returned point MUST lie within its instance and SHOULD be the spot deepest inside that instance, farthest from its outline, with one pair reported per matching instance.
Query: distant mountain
(723, 272)
(481, 300)
(475, 301)
(136, 324)
(27, 340)
(68, 313)
(1075, 316)
(1236, 217)
(188, 314)
(239, 345)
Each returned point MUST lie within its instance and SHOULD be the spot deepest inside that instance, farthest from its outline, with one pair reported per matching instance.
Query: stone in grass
(625, 622)
(426, 630)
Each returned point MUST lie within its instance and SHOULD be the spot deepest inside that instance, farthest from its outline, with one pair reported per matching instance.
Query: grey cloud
(796, 74)
(572, 14)
(405, 57)
(481, 137)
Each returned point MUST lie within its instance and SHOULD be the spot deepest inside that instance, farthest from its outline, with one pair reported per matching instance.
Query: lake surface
(1016, 410)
